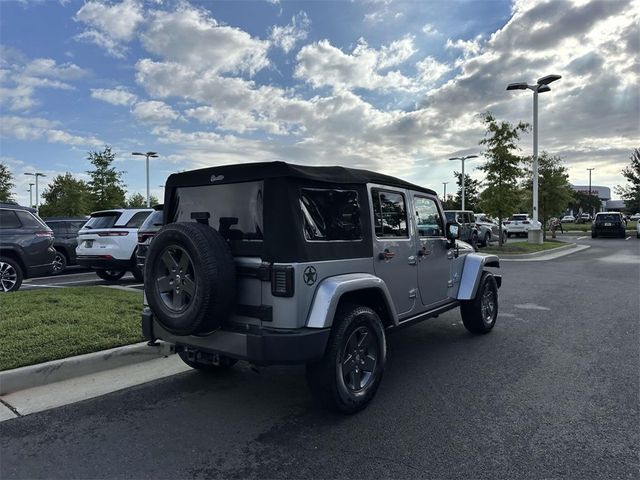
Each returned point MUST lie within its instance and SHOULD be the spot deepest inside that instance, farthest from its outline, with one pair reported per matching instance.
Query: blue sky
(387, 85)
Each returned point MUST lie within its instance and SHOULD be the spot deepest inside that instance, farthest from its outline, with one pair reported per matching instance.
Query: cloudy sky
(386, 85)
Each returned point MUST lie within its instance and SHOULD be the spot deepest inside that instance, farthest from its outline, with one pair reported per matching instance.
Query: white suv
(108, 241)
(518, 223)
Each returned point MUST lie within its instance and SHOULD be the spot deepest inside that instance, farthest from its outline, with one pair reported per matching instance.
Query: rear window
(518, 218)
(234, 209)
(9, 219)
(102, 220)
(330, 214)
(608, 217)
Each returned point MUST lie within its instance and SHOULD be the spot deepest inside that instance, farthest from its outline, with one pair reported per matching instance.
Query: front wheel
(348, 376)
(110, 275)
(479, 315)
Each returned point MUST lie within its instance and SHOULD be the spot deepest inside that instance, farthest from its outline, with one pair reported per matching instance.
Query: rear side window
(29, 221)
(389, 214)
(330, 214)
(73, 227)
(57, 227)
(9, 219)
(103, 220)
(137, 220)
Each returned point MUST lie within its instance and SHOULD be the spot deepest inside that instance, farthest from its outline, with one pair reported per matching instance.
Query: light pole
(590, 169)
(445, 190)
(36, 174)
(31, 194)
(148, 155)
(462, 181)
(541, 86)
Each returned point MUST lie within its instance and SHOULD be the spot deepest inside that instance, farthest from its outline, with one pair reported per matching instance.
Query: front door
(394, 249)
(433, 262)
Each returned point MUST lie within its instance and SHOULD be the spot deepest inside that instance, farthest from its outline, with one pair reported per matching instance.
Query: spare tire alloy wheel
(174, 278)
(10, 276)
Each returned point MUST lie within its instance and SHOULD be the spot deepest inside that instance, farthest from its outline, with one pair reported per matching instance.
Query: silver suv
(276, 263)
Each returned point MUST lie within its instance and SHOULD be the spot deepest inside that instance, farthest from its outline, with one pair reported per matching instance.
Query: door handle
(386, 255)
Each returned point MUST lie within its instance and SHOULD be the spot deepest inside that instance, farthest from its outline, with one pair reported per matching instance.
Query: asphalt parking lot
(76, 277)
(552, 392)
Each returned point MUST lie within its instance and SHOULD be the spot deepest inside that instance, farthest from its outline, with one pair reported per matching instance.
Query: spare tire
(189, 278)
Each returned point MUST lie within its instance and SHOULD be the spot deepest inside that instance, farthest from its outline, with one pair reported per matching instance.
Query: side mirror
(452, 231)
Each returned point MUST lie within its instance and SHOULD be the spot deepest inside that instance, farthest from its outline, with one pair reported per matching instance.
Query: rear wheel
(10, 275)
(138, 274)
(479, 315)
(217, 363)
(110, 275)
(348, 376)
(59, 263)
(474, 241)
(487, 239)
(593, 235)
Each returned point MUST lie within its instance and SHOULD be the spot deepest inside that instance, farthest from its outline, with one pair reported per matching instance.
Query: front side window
(428, 219)
(389, 213)
(330, 214)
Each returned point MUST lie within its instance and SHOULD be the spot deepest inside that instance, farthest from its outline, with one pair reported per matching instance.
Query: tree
(6, 185)
(106, 187)
(583, 202)
(502, 168)
(631, 192)
(554, 189)
(66, 196)
(471, 192)
(137, 200)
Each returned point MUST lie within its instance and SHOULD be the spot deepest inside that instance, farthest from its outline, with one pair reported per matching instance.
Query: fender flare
(474, 265)
(331, 289)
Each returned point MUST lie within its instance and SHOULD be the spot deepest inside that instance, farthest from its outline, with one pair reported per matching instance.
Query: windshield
(102, 220)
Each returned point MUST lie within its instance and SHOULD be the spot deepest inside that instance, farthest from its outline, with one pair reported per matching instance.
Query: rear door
(394, 248)
(433, 264)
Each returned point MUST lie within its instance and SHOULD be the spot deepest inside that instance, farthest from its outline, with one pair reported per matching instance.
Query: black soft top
(261, 170)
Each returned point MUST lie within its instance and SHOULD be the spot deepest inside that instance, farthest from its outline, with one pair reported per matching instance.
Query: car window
(29, 220)
(428, 219)
(57, 227)
(472, 218)
(518, 217)
(153, 220)
(74, 226)
(390, 214)
(9, 219)
(137, 220)
(608, 217)
(330, 214)
(450, 216)
(102, 220)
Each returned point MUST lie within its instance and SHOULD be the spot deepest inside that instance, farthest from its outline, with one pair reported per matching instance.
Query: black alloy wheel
(110, 275)
(174, 276)
(59, 263)
(10, 275)
(479, 315)
(359, 359)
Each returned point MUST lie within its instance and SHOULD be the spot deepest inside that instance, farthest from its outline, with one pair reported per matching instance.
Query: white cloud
(110, 25)
(322, 64)
(23, 128)
(429, 30)
(191, 37)
(286, 37)
(154, 111)
(114, 96)
(430, 70)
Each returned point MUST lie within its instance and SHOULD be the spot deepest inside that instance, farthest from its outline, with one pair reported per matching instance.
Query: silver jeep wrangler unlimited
(276, 263)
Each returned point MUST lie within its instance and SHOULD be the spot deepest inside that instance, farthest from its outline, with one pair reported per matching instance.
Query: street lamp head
(517, 86)
(548, 79)
(544, 88)
(455, 158)
(471, 156)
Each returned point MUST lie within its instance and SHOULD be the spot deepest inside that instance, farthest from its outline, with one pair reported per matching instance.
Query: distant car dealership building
(604, 194)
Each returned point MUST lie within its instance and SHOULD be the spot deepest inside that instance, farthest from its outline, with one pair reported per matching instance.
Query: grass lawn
(523, 247)
(42, 325)
(586, 227)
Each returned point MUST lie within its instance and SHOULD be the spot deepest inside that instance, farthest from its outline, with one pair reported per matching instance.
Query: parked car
(107, 242)
(279, 264)
(489, 230)
(638, 229)
(518, 224)
(26, 246)
(568, 219)
(635, 217)
(468, 231)
(608, 223)
(583, 218)
(147, 231)
(65, 240)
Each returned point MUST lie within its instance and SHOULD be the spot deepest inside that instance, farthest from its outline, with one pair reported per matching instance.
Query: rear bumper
(604, 231)
(260, 346)
(103, 262)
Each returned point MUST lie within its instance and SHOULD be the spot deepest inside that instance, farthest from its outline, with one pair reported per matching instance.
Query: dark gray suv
(65, 232)
(26, 246)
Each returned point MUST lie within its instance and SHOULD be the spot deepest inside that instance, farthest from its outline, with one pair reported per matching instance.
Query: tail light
(526, 222)
(113, 234)
(143, 237)
(282, 282)
(44, 234)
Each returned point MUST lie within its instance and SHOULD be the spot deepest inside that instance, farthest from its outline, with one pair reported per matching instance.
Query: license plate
(607, 224)
(88, 243)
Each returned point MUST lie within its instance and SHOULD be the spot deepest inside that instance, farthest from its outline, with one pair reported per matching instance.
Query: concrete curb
(539, 254)
(71, 367)
(547, 254)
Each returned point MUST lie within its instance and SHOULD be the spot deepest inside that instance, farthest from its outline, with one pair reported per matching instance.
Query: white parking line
(580, 238)
(41, 286)
(627, 238)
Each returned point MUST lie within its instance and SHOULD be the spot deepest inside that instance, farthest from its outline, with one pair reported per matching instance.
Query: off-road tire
(478, 316)
(59, 263)
(11, 275)
(225, 363)
(326, 378)
(197, 294)
(109, 275)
